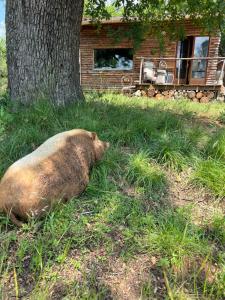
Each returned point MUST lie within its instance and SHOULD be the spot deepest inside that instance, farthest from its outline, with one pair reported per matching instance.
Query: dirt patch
(182, 192)
(127, 280)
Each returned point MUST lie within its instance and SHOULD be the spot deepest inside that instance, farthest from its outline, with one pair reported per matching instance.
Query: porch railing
(219, 60)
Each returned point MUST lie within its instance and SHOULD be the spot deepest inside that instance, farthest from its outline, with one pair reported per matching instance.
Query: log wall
(111, 79)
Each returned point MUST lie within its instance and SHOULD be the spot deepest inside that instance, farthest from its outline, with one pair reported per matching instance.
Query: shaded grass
(148, 138)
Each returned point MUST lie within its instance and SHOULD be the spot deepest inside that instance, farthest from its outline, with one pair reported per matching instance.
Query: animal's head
(99, 146)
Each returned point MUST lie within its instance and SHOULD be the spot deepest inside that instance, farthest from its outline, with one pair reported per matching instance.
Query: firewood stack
(193, 95)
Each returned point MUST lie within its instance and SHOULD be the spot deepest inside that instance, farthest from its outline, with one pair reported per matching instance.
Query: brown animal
(57, 170)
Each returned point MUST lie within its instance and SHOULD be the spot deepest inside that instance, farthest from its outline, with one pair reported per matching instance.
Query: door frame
(186, 79)
(200, 81)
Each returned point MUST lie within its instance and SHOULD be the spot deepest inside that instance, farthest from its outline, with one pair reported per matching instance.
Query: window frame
(111, 69)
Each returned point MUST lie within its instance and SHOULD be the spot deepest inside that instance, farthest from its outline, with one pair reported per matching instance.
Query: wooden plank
(141, 70)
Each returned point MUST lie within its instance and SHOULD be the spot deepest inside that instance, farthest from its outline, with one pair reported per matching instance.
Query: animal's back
(47, 149)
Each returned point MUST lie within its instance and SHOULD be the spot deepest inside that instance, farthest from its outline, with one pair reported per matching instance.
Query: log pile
(195, 96)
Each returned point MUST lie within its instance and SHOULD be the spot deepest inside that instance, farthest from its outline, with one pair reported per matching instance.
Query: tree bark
(43, 39)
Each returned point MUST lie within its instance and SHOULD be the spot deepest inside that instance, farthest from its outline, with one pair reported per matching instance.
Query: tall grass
(216, 145)
(211, 173)
(144, 173)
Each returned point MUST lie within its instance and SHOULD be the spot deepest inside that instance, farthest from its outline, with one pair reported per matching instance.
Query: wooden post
(141, 68)
(222, 70)
(178, 75)
(80, 67)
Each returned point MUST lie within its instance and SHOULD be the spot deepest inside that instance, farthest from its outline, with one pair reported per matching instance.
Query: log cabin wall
(111, 79)
(212, 64)
(93, 39)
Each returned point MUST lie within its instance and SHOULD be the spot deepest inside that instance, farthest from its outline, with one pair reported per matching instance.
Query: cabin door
(192, 71)
(184, 50)
(198, 67)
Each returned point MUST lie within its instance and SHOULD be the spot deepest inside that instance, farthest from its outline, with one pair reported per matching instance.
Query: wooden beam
(80, 67)
(141, 68)
(178, 75)
(222, 71)
(183, 58)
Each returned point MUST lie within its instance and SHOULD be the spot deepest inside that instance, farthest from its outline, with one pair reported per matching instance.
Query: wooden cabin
(105, 64)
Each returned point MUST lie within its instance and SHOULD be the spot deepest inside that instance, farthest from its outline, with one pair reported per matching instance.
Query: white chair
(149, 71)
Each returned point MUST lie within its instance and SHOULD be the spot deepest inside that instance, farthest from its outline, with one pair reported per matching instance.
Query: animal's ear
(93, 135)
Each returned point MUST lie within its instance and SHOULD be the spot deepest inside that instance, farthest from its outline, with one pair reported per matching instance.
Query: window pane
(200, 50)
(201, 46)
(120, 59)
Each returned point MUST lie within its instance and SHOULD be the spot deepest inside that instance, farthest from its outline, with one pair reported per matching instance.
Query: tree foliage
(209, 14)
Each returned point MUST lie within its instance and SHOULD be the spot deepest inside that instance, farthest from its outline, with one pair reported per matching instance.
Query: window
(200, 50)
(113, 59)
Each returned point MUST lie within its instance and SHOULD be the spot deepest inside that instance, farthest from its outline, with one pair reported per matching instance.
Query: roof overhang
(120, 20)
(113, 20)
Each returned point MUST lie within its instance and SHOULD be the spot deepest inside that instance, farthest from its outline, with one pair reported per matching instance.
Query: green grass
(128, 210)
(211, 173)
(143, 173)
(216, 146)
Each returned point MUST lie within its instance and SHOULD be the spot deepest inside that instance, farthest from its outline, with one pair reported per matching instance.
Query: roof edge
(112, 20)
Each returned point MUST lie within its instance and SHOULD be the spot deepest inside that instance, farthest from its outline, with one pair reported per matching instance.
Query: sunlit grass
(211, 173)
(216, 146)
(144, 173)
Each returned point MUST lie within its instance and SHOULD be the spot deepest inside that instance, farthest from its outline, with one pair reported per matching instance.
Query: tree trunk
(43, 39)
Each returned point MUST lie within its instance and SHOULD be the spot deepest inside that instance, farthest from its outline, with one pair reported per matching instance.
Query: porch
(182, 71)
(197, 78)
